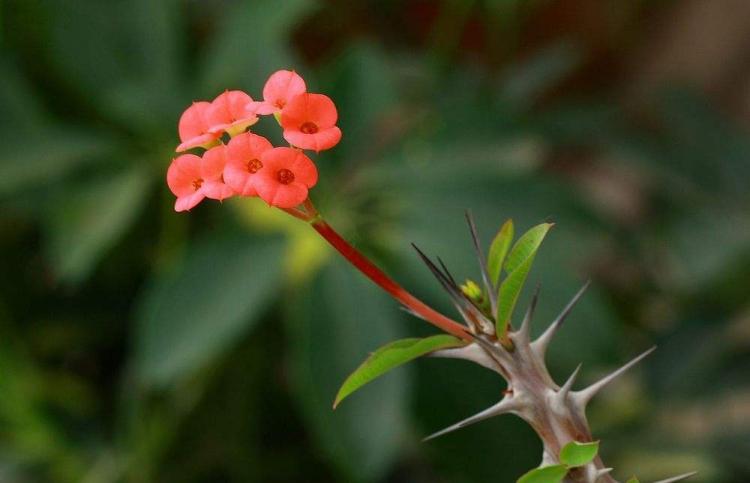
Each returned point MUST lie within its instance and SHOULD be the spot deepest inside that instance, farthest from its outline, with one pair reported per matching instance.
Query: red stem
(386, 283)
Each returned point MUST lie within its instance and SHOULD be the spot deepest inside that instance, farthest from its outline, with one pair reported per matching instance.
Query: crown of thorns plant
(237, 162)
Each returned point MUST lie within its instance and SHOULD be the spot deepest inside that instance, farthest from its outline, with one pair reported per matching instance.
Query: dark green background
(142, 345)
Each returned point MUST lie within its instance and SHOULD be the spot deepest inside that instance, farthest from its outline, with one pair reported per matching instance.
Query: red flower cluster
(249, 165)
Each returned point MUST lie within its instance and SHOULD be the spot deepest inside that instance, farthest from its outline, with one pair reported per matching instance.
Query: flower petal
(282, 195)
(281, 86)
(203, 141)
(187, 202)
(320, 141)
(216, 190)
(193, 121)
(212, 163)
(182, 173)
(240, 151)
(230, 109)
(318, 109)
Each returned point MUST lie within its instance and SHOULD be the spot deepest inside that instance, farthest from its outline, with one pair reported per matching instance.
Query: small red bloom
(309, 122)
(280, 88)
(243, 154)
(194, 127)
(192, 178)
(231, 111)
(286, 176)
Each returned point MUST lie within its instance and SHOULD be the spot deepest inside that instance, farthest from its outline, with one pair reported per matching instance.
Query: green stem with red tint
(361, 263)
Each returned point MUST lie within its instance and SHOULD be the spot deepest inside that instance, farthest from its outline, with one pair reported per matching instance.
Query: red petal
(282, 86)
(320, 141)
(185, 203)
(315, 108)
(282, 195)
(216, 190)
(182, 173)
(193, 121)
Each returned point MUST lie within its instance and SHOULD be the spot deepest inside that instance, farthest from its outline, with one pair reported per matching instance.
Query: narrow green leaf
(391, 356)
(526, 246)
(633, 479)
(498, 250)
(518, 266)
(578, 454)
(548, 474)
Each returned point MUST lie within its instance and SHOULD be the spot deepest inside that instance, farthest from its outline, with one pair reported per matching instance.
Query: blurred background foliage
(139, 345)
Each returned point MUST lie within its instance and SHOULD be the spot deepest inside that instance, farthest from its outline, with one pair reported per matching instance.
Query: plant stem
(361, 263)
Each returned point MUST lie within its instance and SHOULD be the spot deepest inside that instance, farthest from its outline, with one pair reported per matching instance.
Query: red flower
(309, 122)
(243, 154)
(232, 112)
(192, 178)
(286, 176)
(194, 127)
(280, 88)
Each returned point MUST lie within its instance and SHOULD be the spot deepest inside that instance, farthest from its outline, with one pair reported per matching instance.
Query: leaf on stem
(547, 474)
(391, 356)
(517, 265)
(576, 454)
(498, 250)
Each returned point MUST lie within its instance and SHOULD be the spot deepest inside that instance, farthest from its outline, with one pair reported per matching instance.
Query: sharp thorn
(602, 472)
(488, 285)
(678, 478)
(503, 407)
(540, 345)
(442, 278)
(585, 395)
(447, 272)
(565, 389)
(524, 332)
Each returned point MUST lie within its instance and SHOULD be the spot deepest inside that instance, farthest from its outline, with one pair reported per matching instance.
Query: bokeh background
(141, 345)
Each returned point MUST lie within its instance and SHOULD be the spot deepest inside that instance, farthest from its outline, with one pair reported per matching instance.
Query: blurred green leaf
(391, 356)
(361, 81)
(87, 219)
(498, 250)
(526, 82)
(48, 156)
(576, 454)
(252, 42)
(337, 319)
(548, 474)
(22, 111)
(86, 43)
(191, 315)
(633, 479)
(518, 265)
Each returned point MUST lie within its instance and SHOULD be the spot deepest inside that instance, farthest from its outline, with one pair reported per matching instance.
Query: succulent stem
(556, 413)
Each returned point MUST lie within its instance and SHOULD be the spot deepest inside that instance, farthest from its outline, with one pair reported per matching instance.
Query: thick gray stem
(556, 413)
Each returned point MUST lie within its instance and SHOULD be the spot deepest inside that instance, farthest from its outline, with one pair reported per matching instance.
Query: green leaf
(190, 315)
(578, 454)
(391, 356)
(518, 266)
(47, 156)
(633, 479)
(498, 251)
(332, 323)
(87, 220)
(253, 41)
(526, 246)
(548, 474)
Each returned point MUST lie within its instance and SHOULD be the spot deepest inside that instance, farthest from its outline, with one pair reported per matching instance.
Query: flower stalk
(371, 271)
